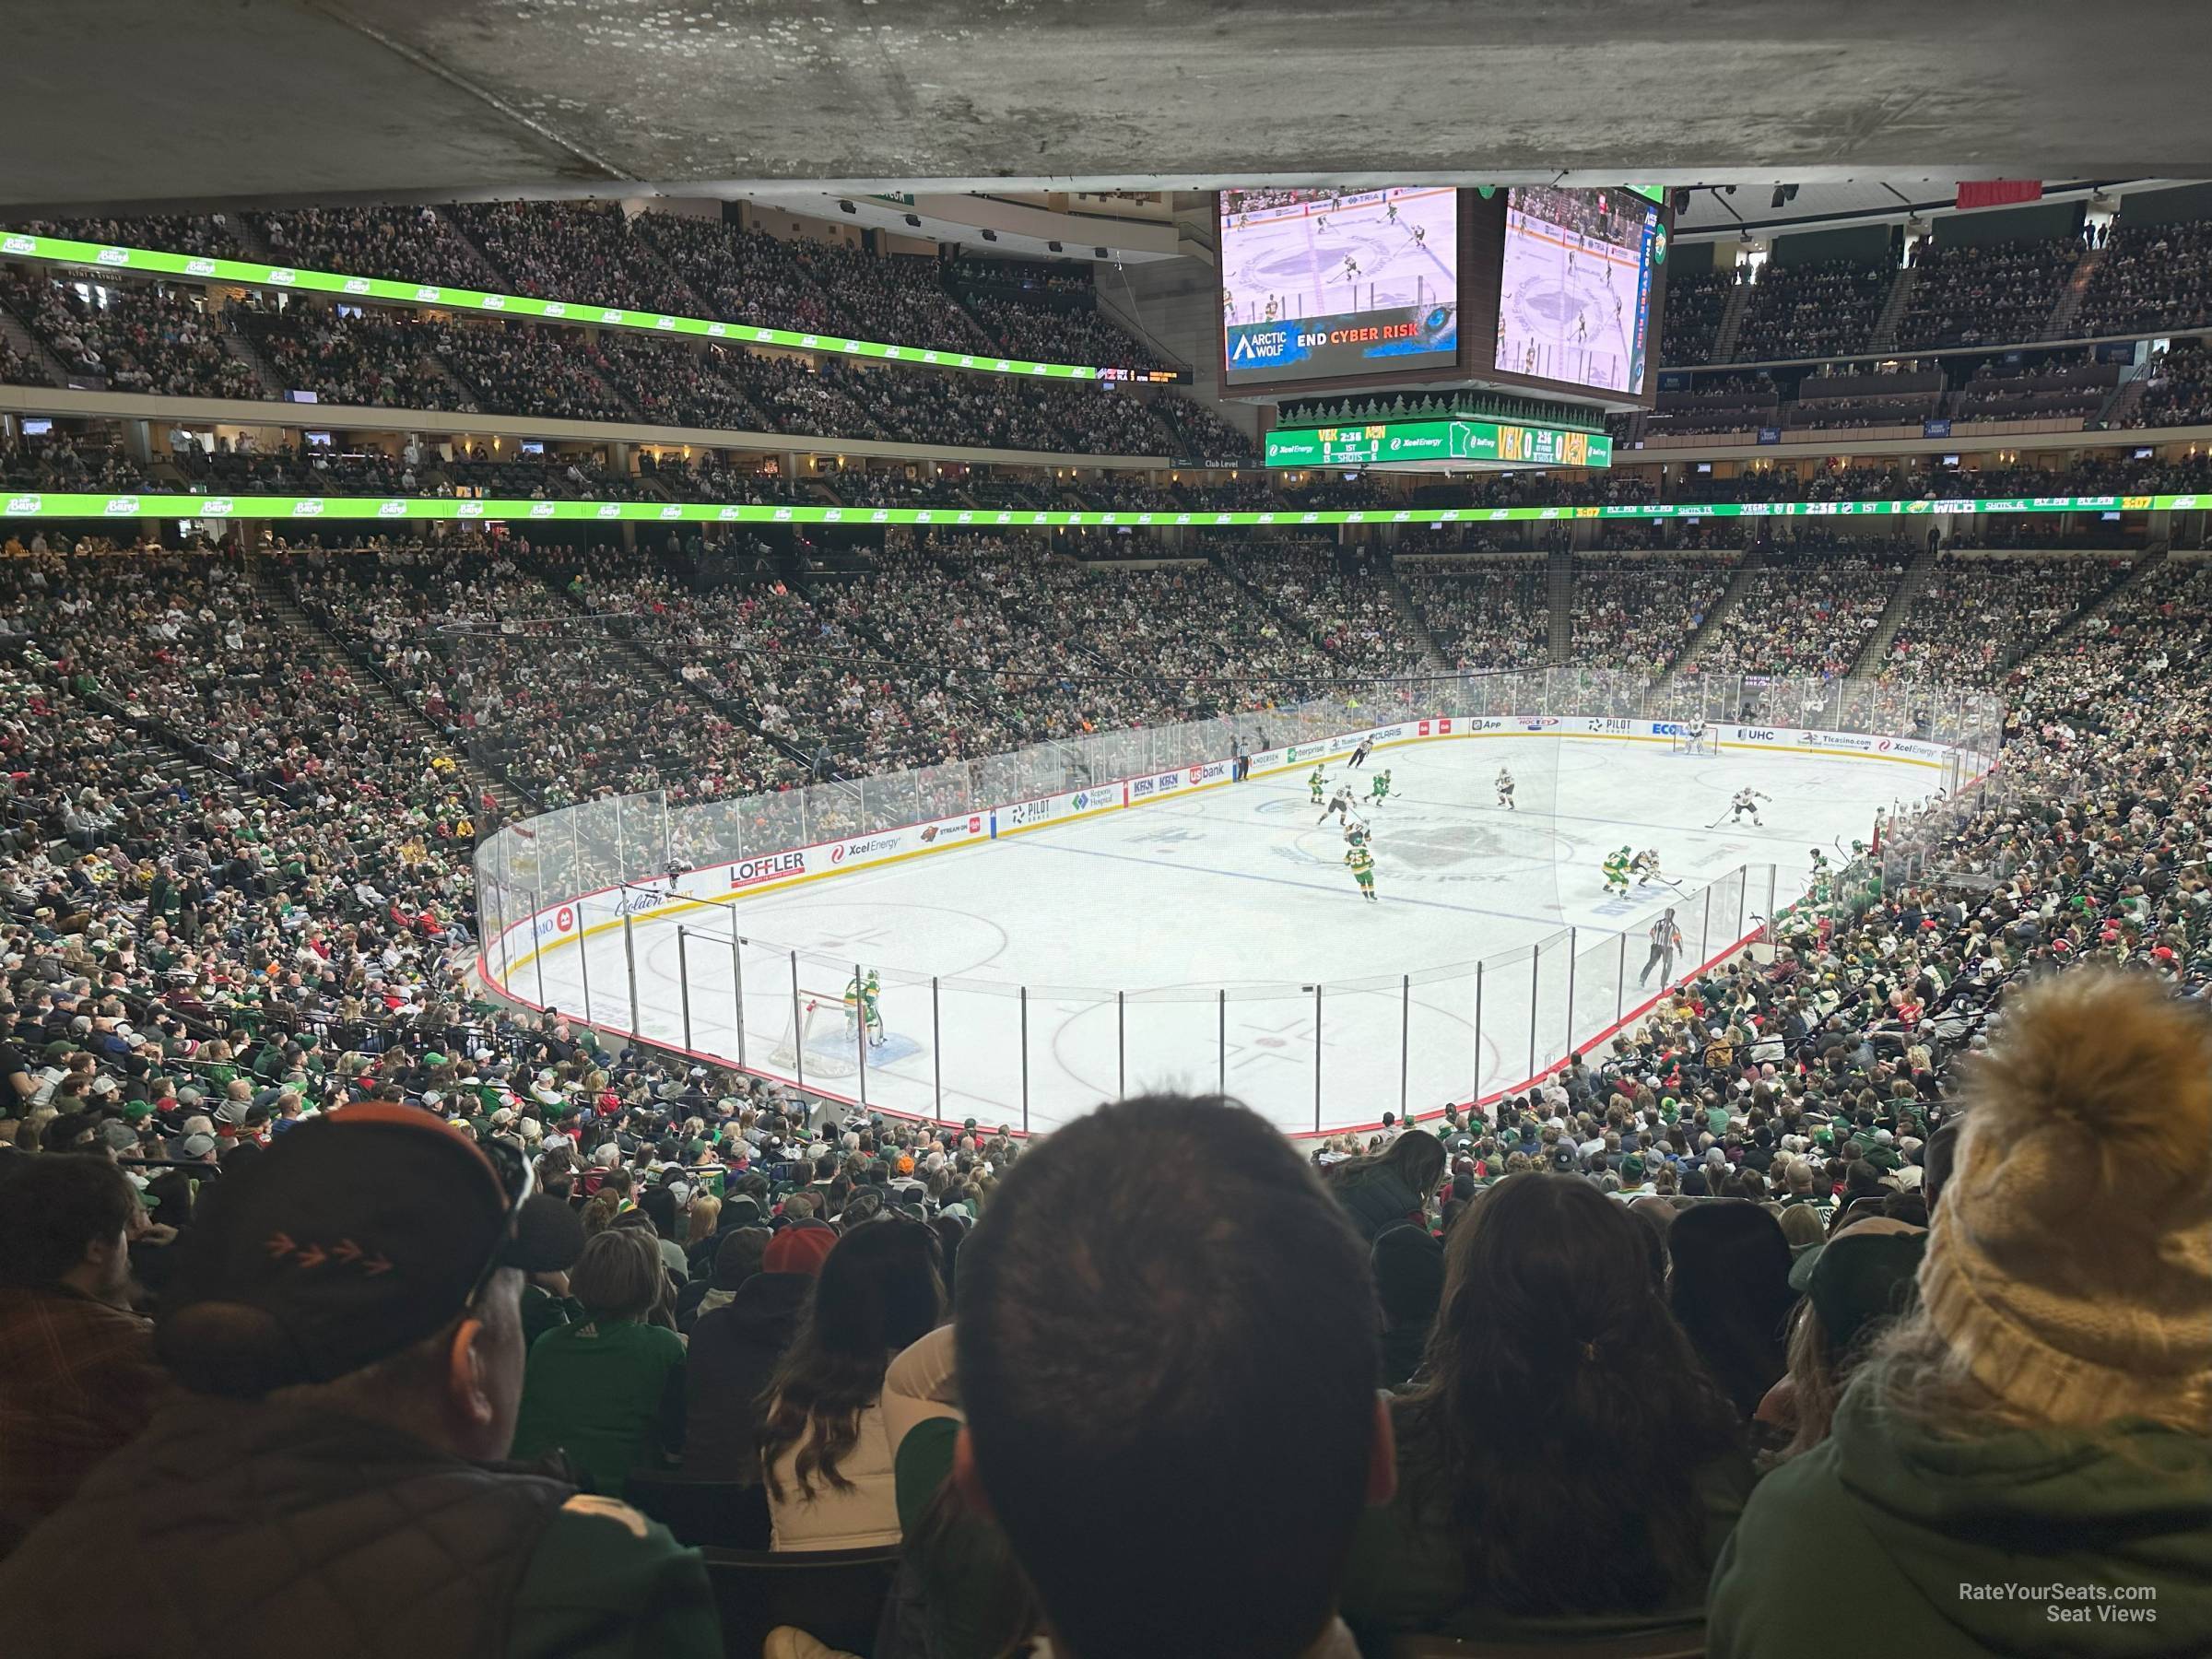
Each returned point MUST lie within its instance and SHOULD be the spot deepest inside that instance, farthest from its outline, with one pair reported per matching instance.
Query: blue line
(1303, 886)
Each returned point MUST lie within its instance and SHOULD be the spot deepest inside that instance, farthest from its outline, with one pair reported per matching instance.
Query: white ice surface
(1539, 300)
(1301, 264)
(1238, 888)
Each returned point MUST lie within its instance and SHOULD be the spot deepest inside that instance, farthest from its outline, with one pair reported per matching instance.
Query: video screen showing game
(1320, 284)
(1574, 296)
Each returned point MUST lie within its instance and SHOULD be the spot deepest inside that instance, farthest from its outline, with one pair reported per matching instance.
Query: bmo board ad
(1324, 284)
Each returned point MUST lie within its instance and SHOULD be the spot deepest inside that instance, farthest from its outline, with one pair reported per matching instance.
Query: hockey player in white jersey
(1747, 800)
(1505, 789)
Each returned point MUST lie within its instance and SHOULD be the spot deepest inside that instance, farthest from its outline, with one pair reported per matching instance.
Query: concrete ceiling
(135, 102)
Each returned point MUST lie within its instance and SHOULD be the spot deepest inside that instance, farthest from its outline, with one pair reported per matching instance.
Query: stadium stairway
(461, 389)
(1733, 595)
(31, 349)
(1561, 589)
(246, 352)
(1732, 323)
(655, 667)
(254, 242)
(1910, 587)
(1884, 334)
(2067, 306)
(514, 803)
(484, 273)
(974, 325)
(2152, 557)
(1260, 601)
(1409, 613)
(2120, 407)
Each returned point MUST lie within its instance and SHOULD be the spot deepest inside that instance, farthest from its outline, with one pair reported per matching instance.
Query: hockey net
(1692, 740)
(820, 1030)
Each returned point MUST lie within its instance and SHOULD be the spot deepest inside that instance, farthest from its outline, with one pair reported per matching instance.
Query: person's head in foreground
(1166, 1352)
(344, 1320)
(1561, 1416)
(2044, 1414)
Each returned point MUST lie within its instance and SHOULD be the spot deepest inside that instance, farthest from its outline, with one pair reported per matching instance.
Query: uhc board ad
(1317, 284)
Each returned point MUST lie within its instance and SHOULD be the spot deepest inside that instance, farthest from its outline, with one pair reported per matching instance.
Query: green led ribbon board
(152, 262)
(27, 505)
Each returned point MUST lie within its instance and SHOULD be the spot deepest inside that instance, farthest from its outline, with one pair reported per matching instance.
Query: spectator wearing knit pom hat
(2044, 1415)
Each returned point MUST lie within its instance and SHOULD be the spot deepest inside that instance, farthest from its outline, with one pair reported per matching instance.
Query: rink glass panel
(1356, 1048)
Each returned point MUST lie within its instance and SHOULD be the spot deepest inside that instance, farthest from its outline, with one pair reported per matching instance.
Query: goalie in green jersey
(861, 1011)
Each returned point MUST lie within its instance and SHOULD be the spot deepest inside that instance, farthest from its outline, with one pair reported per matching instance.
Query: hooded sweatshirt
(1931, 1534)
(734, 1351)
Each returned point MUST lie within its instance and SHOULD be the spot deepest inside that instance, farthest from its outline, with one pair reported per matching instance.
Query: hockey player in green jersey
(1616, 871)
(1361, 863)
(1379, 789)
(1317, 783)
(860, 1006)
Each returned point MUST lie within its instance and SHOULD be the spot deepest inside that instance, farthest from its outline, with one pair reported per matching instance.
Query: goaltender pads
(1692, 740)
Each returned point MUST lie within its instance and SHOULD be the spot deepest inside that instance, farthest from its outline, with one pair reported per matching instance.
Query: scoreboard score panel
(1391, 442)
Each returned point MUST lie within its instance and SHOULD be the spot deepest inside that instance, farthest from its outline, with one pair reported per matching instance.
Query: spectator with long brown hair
(825, 1452)
(1565, 1462)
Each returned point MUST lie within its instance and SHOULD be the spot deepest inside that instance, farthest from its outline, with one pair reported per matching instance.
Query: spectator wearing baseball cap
(2044, 1416)
(77, 1373)
(736, 1347)
(1854, 1287)
(343, 1319)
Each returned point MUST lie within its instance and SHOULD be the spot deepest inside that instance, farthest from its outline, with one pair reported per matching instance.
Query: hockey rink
(1180, 944)
(1374, 255)
(1566, 324)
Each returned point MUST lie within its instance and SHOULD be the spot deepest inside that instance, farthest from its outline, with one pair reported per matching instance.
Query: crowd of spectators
(1337, 594)
(1819, 308)
(211, 236)
(361, 357)
(897, 297)
(1976, 615)
(1697, 302)
(581, 250)
(2179, 392)
(2152, 277)
(1482, 613)
(1738, 1264)
(515, 368)
(410, 244)
(132, 337)
(1986, 293)
(1808, 612)
(1639, 612)
(1200, 433)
